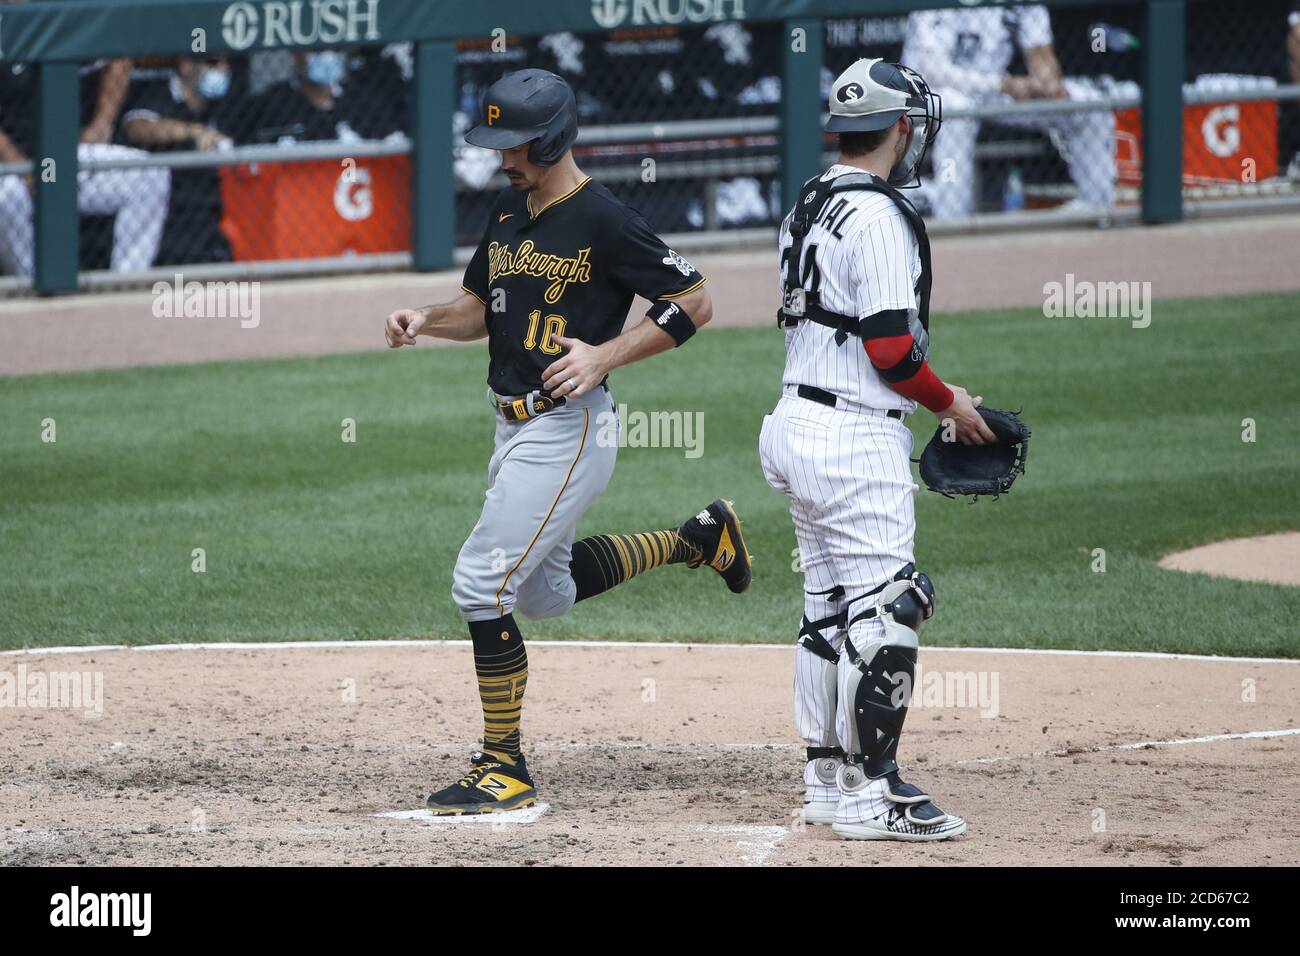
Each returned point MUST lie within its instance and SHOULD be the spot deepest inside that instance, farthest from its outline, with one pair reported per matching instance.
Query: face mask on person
(213, 83)
(325, 69)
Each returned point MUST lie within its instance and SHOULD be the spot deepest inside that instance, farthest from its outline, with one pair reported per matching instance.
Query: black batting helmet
(528, 106)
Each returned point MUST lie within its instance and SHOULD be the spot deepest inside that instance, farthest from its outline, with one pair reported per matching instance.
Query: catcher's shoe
(715, 534)
(491, 786)
(889, 809)
(821, 791)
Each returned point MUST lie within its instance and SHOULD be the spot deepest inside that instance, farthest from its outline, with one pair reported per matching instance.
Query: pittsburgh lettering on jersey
(561, 270)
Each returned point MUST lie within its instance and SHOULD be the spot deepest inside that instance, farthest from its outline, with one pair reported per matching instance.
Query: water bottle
(1013, 196)
(1115, 39)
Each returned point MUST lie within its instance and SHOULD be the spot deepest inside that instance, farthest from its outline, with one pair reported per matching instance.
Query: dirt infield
(1272, 558)
(646, 754)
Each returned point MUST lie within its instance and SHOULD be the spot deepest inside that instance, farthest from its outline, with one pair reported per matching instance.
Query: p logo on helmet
(543, 113)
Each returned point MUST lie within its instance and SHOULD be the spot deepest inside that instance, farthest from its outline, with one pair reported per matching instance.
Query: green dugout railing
(60, 36)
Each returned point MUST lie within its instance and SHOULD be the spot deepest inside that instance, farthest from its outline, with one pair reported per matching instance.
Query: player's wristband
(673, 319)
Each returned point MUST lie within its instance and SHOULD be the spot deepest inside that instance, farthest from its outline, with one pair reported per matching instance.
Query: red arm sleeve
(911, 378)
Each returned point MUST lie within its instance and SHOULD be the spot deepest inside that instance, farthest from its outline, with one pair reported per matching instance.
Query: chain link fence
(292, 157)
(667, 118)
(1013, 80)
(1242, 139)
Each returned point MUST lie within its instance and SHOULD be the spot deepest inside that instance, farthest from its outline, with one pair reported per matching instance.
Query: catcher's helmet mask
(528, 106)
(872, 95)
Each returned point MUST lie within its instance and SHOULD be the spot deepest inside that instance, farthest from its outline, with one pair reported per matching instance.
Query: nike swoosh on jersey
(504, 216)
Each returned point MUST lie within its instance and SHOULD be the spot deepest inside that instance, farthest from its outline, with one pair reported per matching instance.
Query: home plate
(526, 815)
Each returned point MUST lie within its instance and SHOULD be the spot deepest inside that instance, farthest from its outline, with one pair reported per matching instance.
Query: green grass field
(1137, 449)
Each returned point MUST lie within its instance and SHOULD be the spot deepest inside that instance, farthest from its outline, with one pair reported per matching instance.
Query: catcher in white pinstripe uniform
(855, 266)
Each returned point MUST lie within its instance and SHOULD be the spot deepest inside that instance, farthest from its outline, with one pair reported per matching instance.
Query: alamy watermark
(133, 911)
(1083, 299)
(658, 429)
(949, 689)
(52, 690)
(208, 300)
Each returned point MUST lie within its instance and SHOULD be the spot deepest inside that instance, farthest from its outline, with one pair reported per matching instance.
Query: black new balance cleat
(715, 534)
(491, 786)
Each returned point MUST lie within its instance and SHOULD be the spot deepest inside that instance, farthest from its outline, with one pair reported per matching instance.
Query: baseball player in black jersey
(550, 286)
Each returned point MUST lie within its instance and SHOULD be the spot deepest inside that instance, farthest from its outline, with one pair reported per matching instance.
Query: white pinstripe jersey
(970, 49)
(868, 261)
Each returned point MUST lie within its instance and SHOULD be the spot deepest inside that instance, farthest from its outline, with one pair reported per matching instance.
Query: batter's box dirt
(644, 755)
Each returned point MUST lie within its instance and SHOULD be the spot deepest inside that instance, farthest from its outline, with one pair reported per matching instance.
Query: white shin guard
(815, 704)
(876, 672)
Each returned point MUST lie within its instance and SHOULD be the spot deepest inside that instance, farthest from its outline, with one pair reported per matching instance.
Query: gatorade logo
(354, 198)
(493, 113)
(1221, 130)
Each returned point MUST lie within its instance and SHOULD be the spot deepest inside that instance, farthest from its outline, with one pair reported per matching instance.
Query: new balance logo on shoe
(726, 553)
(714, 534)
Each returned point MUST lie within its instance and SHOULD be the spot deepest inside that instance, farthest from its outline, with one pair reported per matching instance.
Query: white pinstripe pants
(850, 487)
(138, 198)
(1089, 150)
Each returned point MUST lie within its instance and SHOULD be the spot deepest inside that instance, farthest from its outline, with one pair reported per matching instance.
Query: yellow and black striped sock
(502, 666)
(605, 560)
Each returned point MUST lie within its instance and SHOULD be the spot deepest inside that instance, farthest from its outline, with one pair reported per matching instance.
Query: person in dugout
(326, 98)
(196, 108)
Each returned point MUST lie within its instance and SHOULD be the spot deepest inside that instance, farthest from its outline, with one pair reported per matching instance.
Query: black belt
(823, 397)
(531, 405)
(527, 406)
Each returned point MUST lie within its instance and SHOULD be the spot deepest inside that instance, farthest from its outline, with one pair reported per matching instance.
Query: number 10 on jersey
(551, 327)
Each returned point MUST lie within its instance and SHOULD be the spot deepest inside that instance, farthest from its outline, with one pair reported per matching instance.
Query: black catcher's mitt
(954, 469)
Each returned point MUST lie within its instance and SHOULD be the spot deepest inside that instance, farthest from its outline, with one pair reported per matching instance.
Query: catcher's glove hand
(953, 469)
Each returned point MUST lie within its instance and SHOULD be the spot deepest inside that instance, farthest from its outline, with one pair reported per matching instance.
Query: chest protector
(803, 305)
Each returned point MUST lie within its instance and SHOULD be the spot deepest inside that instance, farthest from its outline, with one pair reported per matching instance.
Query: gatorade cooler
(1223, 142)
(317, 208)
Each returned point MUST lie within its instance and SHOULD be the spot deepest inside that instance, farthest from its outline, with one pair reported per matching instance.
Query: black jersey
(19, 83)
(192, 232)
(283, 112)
(572, 269)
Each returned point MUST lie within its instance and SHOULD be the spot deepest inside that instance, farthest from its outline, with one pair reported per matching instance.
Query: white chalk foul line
(1139, 745)
(788, 745)
(761, 844)
(657, 645)
(504, 818)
